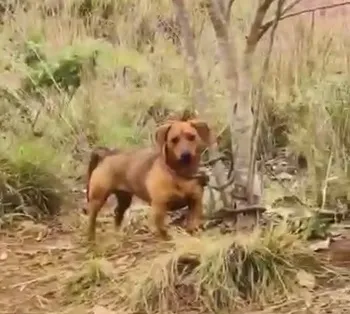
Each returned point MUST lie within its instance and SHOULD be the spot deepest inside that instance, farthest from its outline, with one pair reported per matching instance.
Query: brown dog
(162, 177)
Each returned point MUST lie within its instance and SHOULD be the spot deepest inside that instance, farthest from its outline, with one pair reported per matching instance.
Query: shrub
(29, 183)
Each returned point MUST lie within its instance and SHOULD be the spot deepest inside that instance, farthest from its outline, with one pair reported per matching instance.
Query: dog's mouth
(186, 158)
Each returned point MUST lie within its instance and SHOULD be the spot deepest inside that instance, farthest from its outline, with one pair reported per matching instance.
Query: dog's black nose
(186, 157)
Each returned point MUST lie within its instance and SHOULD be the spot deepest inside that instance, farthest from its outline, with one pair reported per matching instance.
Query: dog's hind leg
(94, 206)
(124, 202)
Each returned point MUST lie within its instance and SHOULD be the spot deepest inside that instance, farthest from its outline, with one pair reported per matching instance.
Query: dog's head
(181, 142)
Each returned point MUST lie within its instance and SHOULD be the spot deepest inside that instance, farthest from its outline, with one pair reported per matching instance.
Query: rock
(101, 310)
(106, 267)
(3, 256)
(306, 279)
(321, 245)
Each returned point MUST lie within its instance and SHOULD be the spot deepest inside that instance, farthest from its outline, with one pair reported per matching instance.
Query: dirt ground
(41, 263)
(40, 266)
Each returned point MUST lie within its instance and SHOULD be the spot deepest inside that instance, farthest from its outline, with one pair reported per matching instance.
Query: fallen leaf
(306, 279)
(106, 267)
(60, 245)
(29, 253)
(3, 256)
(40, 236)
(284, 176)
(308, 298)
(321, 245)
(29, 228)
(102, 310)
(122, 260)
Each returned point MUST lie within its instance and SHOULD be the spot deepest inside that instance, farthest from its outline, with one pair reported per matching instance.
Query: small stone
(306, 279)
(284, 176)
(321, 245)
(101, 310)
(106, 267)
(3, 256)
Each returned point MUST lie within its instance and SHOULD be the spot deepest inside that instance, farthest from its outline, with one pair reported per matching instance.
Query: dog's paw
(164, 235)
(192, 231)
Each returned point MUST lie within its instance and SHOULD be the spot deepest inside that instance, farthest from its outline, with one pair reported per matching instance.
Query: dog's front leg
(157, 219)
(195, 209)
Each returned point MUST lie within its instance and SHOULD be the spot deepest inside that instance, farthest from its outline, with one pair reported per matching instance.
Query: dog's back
(124, 170)
(130, 169)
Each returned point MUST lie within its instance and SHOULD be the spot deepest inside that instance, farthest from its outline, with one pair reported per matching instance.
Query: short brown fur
(160, 176)
(97, 155)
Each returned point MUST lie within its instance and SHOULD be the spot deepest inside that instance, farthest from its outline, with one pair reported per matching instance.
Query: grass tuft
(29, 186)
(93, 274)
(226, 272)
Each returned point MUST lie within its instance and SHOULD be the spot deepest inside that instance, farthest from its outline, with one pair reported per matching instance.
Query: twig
(191, 55)
(253, 36)
(228, 10)
(290, 6)
(325, 7)
(35, 280)
(325, 182)
(285, 16)
(228, 213)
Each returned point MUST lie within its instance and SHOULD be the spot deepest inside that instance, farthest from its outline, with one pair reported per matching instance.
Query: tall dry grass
(79, 73)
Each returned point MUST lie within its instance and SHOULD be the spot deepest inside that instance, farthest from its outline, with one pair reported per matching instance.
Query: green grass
(91, 71)
(29, 184)
(85, 75)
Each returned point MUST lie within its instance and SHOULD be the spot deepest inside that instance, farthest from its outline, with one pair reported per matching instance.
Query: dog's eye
(175, 140)
(191, 137)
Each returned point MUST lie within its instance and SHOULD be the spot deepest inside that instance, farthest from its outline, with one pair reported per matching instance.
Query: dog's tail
(97, 155)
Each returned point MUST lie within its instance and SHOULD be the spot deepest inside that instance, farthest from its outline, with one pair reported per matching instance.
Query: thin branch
(258, 117)
(285, 16)
(325, 7)
(326, 180)
(224, 42)
(253, 36)
(191, 55)
(228, 10)
(290, 6)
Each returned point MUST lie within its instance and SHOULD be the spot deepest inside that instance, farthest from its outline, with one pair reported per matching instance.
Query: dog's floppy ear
(161, 134)
(203, 131)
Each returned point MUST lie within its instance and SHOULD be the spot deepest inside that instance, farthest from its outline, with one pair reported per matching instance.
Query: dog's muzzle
(186, 158)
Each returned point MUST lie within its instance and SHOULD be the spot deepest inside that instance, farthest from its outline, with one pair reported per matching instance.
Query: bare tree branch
(225, 45)
(285, 16)
(253, 36)
(228, 11)
(200, 96)
(191, 55)
(325, 7)
(290, 6)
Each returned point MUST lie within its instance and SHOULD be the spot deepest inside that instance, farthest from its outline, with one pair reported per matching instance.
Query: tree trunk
(239, 84)
(198, 83)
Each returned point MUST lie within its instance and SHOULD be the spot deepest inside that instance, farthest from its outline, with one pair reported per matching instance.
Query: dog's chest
(181, 195)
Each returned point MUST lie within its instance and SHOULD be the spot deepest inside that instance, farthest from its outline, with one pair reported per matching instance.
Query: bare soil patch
(48, 268)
